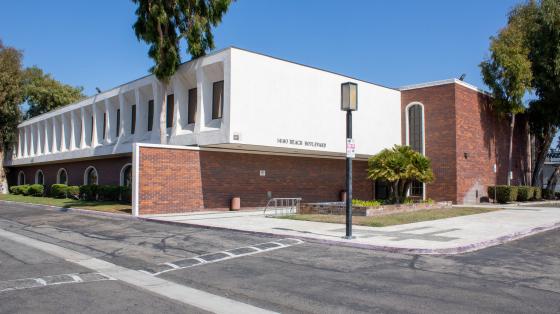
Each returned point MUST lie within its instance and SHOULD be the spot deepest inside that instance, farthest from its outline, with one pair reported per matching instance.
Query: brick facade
(208, 179)
(108, 171)
(464, 139)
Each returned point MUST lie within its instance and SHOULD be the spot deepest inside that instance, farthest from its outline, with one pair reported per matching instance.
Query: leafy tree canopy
(400, 165)
(11, 94)
(43, 93)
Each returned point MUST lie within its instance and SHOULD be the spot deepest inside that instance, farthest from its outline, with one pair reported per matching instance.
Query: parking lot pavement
(34, 282)
(517, 277)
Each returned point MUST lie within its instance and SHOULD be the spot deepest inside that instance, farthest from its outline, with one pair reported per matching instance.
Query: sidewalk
(445, 236)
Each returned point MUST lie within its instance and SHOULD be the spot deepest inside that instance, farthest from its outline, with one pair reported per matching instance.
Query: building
(249, 125)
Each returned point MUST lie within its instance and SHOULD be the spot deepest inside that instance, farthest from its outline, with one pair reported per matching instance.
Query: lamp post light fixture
(349, 103)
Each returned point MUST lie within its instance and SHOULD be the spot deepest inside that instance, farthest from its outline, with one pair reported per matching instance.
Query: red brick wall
(209, 179)
(440, 137)
(108, 171)
(459, 120)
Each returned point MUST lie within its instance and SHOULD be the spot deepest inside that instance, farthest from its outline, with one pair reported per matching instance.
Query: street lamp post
(349, 103)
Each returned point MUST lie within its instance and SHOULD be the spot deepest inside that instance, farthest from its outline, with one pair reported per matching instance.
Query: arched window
(415, 139)
(90, 176)
(39, 177)
(126, 175)
(62, 176)
(21, 178)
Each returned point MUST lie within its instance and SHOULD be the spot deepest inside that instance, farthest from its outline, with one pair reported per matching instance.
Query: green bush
(126, 193)
(363, 203)
(18, 189)
(73, 191)
(36, 190)
(504, 193)
(547, 195)
(59, 190)
(88, 192)
(24, 189)
(109, 192)
(525, 193)
(538, 194)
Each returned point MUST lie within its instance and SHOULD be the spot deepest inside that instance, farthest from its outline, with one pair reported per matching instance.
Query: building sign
(350, 148)
(289, 141)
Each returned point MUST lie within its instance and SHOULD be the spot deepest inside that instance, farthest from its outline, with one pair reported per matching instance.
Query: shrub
(361, 203)
(524, 193)
(538, 194)
(88, 192)
(73, 191)
(126, 193)
(18, 189)
(59, 190)
(36, 189)
(504, 193)
(108, 192)
(547, 195)
(24, 189)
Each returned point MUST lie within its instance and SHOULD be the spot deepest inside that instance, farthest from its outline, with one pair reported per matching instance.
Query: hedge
(36, 190)
(74, 191)
(59, 190)
(504, 193)
(108, 192)
(525, 193)
(89, 192)
(20, 189)
(538, 194)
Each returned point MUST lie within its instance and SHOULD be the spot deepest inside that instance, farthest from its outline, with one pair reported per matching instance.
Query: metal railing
(282, 206)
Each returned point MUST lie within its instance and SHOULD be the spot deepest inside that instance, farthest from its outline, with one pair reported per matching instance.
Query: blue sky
(393, 43)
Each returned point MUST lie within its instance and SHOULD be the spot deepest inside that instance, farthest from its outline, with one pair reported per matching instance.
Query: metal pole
(348, 179)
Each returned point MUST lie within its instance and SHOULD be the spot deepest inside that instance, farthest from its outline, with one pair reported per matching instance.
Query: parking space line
(20, 284)
(227, 255)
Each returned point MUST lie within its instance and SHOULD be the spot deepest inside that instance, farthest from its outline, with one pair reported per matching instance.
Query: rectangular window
(150, 115)
(118, 124)
(104, 123)
(92, 130)
(170, 110)
(133, 120)
(218, 100)
(192, 106)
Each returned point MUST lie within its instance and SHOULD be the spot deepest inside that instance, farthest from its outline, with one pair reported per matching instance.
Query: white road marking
(20, 284)
(175, 265)
(187, 295)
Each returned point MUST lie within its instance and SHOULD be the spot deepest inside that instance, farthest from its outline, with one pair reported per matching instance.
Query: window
(126, 175)
(192, 106)
(104, 123)
(416, 127)
(150, 115)
(218, 100)
(133, 119)
(62, 176)
(415, 139)
(92, 130)
(90, 176)
(21, 178)
(170, 110)
(39, 177)
(118, 130)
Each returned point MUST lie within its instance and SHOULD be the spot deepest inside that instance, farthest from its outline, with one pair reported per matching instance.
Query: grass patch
(394, 219)
(102, 206)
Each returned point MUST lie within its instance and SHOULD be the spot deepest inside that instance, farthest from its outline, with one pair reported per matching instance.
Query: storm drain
(221, 256)
(28, 283)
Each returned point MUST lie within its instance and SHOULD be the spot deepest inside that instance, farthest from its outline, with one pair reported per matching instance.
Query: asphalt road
(518, 277)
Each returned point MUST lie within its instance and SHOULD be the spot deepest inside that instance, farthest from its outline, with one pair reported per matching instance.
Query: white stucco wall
(272, 99)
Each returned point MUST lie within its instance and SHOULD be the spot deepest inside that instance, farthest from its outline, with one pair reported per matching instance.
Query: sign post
(349, 103)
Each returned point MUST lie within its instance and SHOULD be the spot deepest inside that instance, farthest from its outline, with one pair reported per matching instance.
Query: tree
(43, 93)
(163, 23)
(544, 39)
(508, 71)
(11, 96)
(400, 166)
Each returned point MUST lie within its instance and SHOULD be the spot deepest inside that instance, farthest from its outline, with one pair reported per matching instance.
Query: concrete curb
(422, 251)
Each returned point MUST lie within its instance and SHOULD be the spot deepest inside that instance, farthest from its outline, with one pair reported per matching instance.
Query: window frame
(121, 176)
(220, 106)
(118, 124)
(170, 111)
(58, 176)
(20, 173)
(132, 119)
(86, 172)
(192, 107)
(39, 171)
(150, 115)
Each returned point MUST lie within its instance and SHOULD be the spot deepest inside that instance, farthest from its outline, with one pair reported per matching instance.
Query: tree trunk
(396, 191)
(163, 115)
(542, 145)
(3, 177)
(510, 153)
